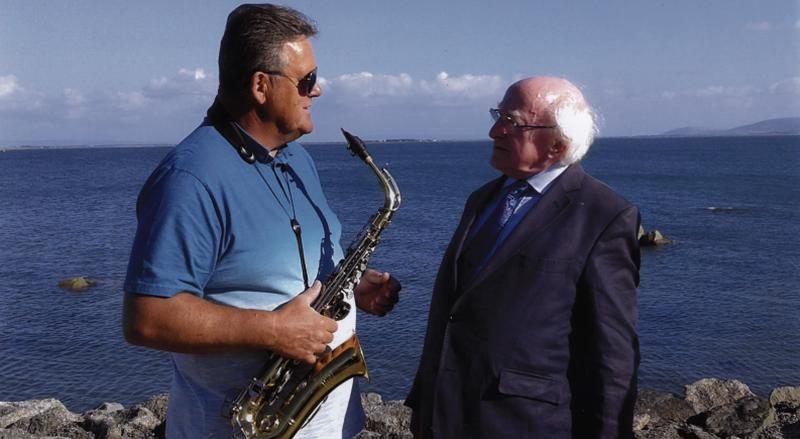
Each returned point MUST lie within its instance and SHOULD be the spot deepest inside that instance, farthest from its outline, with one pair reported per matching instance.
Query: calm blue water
(721, 301)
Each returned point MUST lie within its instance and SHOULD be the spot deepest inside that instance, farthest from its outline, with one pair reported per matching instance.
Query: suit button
(451, 317)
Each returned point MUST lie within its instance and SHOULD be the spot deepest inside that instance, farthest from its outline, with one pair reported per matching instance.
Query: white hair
(575, 123)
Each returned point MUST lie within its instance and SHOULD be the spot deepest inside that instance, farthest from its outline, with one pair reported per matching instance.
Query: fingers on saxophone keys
(310, 358)
(329, 324)
(325, 337)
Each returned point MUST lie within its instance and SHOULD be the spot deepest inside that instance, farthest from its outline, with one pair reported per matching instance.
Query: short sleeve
(178, 236)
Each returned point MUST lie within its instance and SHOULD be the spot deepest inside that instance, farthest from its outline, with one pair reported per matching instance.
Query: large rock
(390, 419)
(40, 418)
(783, 420)
(740, 418)
(785, 398)
(707, 393)
(113, 421)
(661, 408)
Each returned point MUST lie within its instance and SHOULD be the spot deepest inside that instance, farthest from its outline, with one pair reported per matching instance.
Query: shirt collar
(542, 181)
(261, 153)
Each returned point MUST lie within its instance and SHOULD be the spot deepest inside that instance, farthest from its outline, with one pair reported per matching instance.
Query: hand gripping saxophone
(287, 393)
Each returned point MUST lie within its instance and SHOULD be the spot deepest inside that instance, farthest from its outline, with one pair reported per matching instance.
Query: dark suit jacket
(542, 343)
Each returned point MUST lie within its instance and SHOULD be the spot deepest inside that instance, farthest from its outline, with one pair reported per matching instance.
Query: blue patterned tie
(477, 250)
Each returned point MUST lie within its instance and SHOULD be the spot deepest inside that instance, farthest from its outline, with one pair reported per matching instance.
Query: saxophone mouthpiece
(355, 145)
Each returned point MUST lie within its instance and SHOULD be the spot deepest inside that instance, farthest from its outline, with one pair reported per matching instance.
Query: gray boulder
(740, 418)
(390, 419)
(707, 393)
(40, 418)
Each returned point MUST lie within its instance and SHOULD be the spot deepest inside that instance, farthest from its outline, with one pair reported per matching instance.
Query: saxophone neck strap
(224, 124)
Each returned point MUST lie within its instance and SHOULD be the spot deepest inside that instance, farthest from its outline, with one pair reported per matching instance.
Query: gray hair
(576, 126)
(253, 41)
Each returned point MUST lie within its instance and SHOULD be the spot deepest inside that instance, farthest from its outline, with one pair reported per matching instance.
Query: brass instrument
(287, 393)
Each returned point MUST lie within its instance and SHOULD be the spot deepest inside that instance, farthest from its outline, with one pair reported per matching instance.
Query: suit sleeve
(608, 286)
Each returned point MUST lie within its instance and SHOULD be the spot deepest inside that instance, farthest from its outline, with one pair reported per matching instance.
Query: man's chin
(496, 162)
(292, 135)
(306, 128)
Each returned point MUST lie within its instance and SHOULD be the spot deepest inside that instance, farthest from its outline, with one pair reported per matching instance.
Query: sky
(95, 72)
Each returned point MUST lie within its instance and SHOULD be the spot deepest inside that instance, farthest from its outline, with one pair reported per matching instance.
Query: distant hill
(771, 127)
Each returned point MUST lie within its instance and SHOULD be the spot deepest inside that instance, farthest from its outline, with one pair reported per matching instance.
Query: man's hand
(377, 292)
(305, 331)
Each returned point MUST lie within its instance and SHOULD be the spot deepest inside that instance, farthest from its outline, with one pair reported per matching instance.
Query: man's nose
(497, 130)
(316, 91)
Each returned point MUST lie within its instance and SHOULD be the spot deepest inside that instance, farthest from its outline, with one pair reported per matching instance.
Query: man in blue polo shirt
(220, 271)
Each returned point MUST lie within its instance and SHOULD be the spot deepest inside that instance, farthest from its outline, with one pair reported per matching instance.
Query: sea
(720, 301)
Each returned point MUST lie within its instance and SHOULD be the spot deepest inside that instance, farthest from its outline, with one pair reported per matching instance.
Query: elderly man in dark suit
(532, 327)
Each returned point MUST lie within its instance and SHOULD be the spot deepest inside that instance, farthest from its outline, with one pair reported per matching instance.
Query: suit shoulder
(602, 197)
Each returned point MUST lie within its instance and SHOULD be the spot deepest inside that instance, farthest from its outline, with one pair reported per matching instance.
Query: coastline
(709, 409)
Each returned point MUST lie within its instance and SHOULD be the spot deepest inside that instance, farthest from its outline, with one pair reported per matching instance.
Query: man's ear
(557, 150)
(259, 87)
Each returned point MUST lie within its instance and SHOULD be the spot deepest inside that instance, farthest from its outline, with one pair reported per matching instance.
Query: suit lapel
(552, 204)
(471, 211)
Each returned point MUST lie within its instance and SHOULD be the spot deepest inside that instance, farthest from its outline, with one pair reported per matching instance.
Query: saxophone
(287, 393)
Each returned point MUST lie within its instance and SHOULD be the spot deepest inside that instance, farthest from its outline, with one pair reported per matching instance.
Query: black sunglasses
(305, 84)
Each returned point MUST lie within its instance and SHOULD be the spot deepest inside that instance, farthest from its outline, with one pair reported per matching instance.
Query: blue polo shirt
(215, 226)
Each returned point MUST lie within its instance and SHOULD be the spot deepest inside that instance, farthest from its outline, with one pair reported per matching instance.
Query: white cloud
(365, 85)
(668, 95)
(789, 86)
(196, 74)
(467, 86)
(759, 26)
(74, 97)
(797, 24)
(722, 91)
(75, 103)
(8, 86)
(714, 90)
(366, 88)
(16, 99)
(186, 82)
(130, 100)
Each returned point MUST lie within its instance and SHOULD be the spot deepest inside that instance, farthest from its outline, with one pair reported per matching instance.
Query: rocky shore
(709, 409)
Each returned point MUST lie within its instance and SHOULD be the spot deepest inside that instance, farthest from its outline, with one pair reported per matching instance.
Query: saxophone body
(287, 393)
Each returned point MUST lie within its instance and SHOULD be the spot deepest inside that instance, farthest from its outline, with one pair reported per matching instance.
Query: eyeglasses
(497, 114)
(305, 85)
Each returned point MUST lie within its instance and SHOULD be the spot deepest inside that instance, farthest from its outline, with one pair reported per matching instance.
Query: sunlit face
(287, 106)
(519, 152)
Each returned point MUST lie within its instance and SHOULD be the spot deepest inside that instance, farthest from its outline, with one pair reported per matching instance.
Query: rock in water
(79, 283)
(652, 239)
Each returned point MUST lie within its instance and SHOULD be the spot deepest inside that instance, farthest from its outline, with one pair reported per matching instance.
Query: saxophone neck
(391, 193)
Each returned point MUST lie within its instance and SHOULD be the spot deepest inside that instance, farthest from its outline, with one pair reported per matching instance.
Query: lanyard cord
(298, 232)
(232, 132)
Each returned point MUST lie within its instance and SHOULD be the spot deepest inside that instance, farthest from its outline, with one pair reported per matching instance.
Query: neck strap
(224, 124)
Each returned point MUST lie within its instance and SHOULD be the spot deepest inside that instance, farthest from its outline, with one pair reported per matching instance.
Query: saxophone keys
(269, 423)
